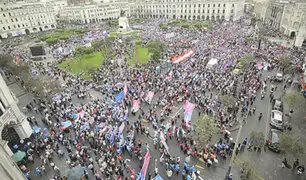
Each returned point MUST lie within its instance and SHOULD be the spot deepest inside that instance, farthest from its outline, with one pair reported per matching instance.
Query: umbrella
(18, 156)
(15, 146)
(66, 124)
(45, 132)
(158, 177)
(36, 130)
(75, 173)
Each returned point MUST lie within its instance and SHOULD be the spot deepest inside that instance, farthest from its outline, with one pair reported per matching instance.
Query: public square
(155, 98)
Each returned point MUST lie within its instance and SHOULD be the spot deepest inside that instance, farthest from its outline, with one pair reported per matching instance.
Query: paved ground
(267, 163)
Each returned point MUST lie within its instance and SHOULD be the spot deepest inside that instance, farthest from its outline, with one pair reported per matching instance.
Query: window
(232, 10)
(208, 5)
(14, 26)
(223, 11)
(218, 5)
(8, 27)
(208, 11)
(4, 28)
(233, 5)
(223, 5)
(3, 15)
(9, 14)
(213, 5)
(213, 11)
(199, 11)
(218, 11)
(12, 20)
(199, 5)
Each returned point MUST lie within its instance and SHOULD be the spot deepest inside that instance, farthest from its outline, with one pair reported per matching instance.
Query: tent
(212, 62)
(18, 156)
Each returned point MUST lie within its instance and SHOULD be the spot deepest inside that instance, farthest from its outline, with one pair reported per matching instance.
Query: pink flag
(189, 107)
(163, 141)
(149, 96)
(136, 105)
(143, 172)
(125, 89)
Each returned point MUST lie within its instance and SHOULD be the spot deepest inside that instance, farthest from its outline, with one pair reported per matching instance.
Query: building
(57, 5)
(23, 18)
(229, 10)
(289, 17)
(11, 119)
(94, 12)
(260, 8)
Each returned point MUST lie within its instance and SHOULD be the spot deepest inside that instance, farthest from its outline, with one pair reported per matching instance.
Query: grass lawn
(143, 55)
(83, 64)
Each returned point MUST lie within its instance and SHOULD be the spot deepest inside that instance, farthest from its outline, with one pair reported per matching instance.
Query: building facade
(190, 9)
(24, 18)
(94, 12)
(10, 118)
(289, 17)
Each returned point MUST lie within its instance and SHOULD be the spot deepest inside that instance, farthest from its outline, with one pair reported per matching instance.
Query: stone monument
(124, 26)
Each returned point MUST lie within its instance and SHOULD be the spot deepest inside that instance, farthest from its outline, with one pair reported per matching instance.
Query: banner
(119, 97)
(163, 141)
(143, 172)
(136, 105)
(149, 97)
(182, 57)
(189, 107)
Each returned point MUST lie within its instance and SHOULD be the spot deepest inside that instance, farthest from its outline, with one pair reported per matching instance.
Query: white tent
(212, 62)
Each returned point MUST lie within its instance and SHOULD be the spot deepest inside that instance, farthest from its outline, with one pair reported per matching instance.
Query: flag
(189, 107)
(119, 97)
(149, 97)
(125, 90)
(143, 172)
(163, 141)
(136, 105)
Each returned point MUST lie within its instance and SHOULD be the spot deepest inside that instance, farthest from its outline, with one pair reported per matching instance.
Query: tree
(206, 129)
(285, 64)
(156, 49)
(293, 100)
(228, 101)
(248, 170)
(291, 144)
(258, 138)
(84, 50)
(245, 61)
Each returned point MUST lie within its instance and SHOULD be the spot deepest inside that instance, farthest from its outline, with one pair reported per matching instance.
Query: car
(277, 105)
(273, 141)
(276, 119)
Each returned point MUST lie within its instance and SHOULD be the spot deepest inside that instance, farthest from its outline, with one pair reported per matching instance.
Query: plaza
(150, 96)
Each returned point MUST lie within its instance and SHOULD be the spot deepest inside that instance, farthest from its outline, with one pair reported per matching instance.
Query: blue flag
(119, 97)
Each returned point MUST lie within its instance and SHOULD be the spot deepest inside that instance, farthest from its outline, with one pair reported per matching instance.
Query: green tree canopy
(228, 100)
(291, 144)
(156, 49)
(84, 50)
(294, 100)
(285, 64)
(245, 61)
(258, 138)
(206, 129)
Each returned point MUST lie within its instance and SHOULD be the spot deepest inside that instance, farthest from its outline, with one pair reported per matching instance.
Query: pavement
(267, 164)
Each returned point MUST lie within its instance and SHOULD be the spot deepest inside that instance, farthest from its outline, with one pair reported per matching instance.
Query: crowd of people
(98, 132)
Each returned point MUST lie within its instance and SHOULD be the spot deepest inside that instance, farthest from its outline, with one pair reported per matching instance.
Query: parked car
(277, 105)
(277, 119)
(273, 140)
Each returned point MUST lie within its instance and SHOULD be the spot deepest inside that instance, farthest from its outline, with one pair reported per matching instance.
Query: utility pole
(233, 154)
